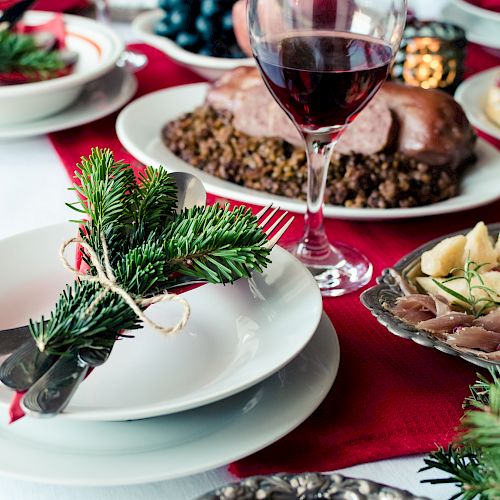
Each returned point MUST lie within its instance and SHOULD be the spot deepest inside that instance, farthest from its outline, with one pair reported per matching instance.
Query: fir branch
(155, 199)
(473, 461)
(216, 245)
(19, 53)
(149, 246)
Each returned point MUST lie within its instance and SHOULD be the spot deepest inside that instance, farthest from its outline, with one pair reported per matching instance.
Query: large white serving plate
(121, 453)
(139, 127)
(237, 335)
(472, 95)
(98, 49)
(98, 99)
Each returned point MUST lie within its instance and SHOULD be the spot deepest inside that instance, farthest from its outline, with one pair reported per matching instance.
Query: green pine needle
(473, 461)
(150, 247)
(18, 53)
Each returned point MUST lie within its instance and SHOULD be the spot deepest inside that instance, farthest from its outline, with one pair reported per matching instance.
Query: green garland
(150, 246)
(18, 53)
(473, 461)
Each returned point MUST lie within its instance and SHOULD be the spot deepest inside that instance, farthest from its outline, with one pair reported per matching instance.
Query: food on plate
(493, 101)
(445, 256)
(458, 300)
(201, 26)
(34, 53)
(407, 148)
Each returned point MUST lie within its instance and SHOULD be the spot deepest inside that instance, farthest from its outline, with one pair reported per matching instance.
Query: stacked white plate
(95, 88)
(481, 26)
(254, 361)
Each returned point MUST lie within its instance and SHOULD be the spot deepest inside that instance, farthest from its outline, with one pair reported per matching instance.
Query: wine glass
(130, 59)
(323, 61)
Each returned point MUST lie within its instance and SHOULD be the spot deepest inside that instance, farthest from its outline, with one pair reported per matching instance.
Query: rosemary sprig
(149, 246)
(19, 53)
(473, 461)
(470, 273)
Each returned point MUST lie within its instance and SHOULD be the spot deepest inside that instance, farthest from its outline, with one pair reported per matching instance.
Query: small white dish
(208, 67)
(123, 453)
(478, 29)
(98, 99)
(236, 336)
(472, 95)
(98, 48)
(487, 15)
(139, 127)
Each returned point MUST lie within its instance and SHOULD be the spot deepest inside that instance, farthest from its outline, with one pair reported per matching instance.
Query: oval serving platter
(388, 290)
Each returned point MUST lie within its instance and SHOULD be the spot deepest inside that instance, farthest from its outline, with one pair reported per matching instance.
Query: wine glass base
(339, 270)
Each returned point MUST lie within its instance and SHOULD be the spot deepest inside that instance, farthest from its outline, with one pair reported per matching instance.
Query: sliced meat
(415, 302)
(226, 93)
(433, 126)
(490, 322)
(428, 125)
(442, 306)
(259, 115)
(447, 323)
(475, 337)
(414, 309)
(374, 130)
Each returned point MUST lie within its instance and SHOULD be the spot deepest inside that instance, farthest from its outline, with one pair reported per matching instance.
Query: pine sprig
(473, 461)
(150, 247)
(216, 245)
(19, 53)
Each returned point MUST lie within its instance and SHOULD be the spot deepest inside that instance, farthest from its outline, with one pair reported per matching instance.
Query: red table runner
(391, 397)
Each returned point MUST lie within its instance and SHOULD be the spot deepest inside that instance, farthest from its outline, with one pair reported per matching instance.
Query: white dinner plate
(236, 336)
(99, 98)
(139, 127)
(122, 453)
(478, 28)
(472, 95)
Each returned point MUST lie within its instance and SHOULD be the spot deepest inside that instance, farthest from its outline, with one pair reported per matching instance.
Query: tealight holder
(431, 55)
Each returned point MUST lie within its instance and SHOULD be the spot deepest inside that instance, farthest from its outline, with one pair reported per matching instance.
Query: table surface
(33, 192)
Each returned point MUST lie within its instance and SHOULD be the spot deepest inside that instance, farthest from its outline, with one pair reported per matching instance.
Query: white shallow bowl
(472, 95)
(139, 128)
(98, 99)
(58, 451)
(98, 49)
(488, 15)
(236, 336)
(483, 30)
(210, 68)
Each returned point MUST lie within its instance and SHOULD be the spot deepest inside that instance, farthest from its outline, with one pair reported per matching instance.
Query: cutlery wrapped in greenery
(132, 229)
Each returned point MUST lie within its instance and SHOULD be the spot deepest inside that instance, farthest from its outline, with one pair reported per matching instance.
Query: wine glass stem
(319, 149)
(102, 10)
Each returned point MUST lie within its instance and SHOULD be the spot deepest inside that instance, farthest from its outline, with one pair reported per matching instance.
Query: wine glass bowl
(323, 61)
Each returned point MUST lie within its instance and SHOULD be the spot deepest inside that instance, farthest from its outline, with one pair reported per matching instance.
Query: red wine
(323, 79)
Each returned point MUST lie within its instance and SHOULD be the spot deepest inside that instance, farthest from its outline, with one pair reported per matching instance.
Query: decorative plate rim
(386, 283)
(303, 485)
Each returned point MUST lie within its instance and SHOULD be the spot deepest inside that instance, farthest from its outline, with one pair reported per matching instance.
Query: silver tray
(307, 486)
(388, 290)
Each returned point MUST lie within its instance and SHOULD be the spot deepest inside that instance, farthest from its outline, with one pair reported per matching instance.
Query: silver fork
(54, 384)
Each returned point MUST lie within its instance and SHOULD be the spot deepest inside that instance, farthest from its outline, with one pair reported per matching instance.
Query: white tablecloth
(33, 192)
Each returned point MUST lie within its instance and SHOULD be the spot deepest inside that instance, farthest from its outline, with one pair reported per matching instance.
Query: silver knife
(12, 339)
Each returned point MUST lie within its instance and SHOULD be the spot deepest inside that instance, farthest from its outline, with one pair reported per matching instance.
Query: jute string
(106, 278)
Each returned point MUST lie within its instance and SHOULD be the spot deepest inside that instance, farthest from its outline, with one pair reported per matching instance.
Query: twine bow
(107, 280)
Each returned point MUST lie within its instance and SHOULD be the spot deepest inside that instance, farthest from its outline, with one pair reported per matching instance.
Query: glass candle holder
(431, 55)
